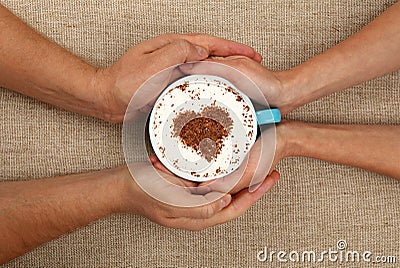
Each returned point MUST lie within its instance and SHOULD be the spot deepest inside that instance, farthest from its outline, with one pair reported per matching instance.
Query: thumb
(179, 51)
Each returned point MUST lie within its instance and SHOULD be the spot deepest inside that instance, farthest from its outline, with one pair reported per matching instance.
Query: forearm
(37, 67)
(34, 212)
(375, 148)
(372, 52)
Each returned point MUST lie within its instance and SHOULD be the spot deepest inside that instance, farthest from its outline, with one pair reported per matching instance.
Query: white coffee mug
(194, 93)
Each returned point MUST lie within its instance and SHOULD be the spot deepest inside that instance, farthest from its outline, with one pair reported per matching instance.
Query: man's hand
(114, 86)
(190, 218)
(36, 67)
(36, 211)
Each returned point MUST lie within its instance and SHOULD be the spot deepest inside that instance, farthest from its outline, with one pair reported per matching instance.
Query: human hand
(136, 200)
(260, 163)
(114, 86)
(274, 85)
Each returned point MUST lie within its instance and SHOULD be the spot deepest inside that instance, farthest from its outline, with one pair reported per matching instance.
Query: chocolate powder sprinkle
(183, 86)
(181, 119)
(199, 129)
(218, 114)
(205, 131)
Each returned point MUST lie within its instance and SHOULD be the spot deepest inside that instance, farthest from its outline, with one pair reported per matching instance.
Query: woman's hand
(275, 86)
(260, 164)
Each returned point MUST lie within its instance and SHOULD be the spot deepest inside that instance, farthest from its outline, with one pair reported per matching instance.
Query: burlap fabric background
(313, 206)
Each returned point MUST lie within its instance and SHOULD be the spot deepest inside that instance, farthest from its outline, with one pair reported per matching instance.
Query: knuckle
(208, 211)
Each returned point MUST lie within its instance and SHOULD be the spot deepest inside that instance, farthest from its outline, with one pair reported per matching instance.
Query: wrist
(108, 188)
(306, 139)
(290, 136)
(123, 189)
(293, 93)
(102, 90)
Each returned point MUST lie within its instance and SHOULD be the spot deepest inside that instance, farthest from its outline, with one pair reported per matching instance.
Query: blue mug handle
(269, 116)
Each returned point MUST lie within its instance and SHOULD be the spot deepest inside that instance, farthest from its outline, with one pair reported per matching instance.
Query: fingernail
(225, 201)
(202, 51)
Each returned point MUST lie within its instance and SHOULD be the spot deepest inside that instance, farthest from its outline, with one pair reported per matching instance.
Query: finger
(155, 43)
(224, 184)
(207, 66)
(193, 187)
(146, 96)
(215, 46)
(179, 51)
(222, 47)
(237, 62)
(241, 177)
(158, 165)
(146, 109)
(238, 70)
(153, 158)
(239, 205)
(149, 105)
(255, 73)
(254, 187)
(264, 156)
(205, 211)
(205, 183)
(169, 176)
(201, 189)
(245, 199)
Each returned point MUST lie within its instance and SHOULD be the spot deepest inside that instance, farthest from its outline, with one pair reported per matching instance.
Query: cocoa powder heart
(204, 132)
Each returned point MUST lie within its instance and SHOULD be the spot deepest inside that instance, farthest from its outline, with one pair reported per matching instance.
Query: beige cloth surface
(313, 206)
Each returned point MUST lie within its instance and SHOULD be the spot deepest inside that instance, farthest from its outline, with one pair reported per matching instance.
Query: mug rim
(202, 79)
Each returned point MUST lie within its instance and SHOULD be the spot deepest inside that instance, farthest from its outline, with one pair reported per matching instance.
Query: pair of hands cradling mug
(210, 124)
